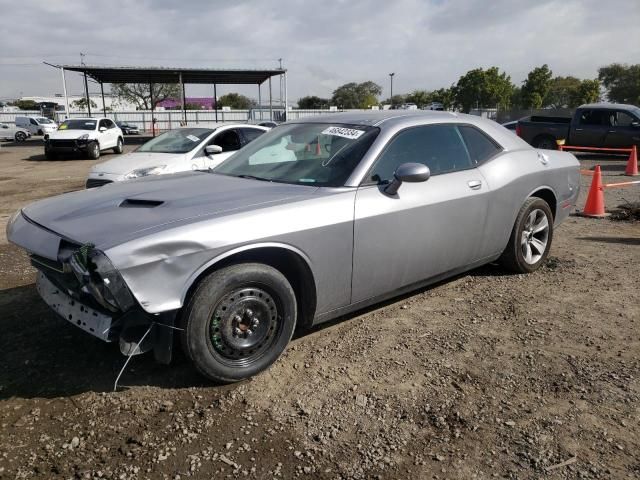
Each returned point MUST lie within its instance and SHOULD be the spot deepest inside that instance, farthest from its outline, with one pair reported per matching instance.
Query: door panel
(590, 130)
(621, 133)
(428, 229)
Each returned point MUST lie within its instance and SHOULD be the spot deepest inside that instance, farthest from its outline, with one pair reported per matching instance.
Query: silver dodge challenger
(315, 219)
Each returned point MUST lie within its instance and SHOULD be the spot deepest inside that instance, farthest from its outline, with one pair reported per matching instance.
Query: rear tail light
(518, 130)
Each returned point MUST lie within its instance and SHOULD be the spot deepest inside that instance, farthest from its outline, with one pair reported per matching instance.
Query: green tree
(81, 103)
(235, 101)
(483, 88)
(397, 99)
(587, 92)
(312, 101)
(622, 82)
(536, 86)
(445, 96)
(571, 92)
(356, 95)
(140, 93)
(26, 105)
(419, 97)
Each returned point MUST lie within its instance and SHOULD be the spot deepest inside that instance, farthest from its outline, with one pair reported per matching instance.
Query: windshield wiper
(252, 177)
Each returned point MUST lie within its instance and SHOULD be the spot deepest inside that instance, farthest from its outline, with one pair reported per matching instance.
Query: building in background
(199, 103)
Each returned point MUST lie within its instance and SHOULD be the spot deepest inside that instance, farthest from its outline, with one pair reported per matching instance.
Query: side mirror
(103, 129)
(407, 172)
(212, 149)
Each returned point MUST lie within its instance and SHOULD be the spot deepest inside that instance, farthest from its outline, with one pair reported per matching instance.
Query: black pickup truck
(596, 125)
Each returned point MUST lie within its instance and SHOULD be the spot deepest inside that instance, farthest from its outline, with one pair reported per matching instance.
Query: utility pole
(82, 55)
(391, 96)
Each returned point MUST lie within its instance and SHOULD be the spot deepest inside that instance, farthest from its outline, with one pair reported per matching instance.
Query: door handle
(474, 184)
(578, 129)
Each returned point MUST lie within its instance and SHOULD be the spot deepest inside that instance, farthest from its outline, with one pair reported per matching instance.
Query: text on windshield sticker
(193, 138)
(351, 133)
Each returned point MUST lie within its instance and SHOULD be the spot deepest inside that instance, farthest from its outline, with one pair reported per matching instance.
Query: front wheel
(119, 148)
(531, 237)
(238, 321)
(93, 151)
(545, 143)
(20, 136)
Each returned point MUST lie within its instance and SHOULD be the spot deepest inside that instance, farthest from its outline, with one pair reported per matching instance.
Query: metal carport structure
(179, 75)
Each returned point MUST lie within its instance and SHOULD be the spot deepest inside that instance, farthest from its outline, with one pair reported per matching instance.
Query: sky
(428, 44)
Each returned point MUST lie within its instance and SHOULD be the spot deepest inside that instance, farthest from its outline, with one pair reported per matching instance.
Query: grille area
(96, 182)
(62, 143)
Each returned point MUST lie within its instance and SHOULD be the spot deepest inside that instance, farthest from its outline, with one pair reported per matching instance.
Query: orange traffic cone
(318, 151)
(594, 207)
(632, 164)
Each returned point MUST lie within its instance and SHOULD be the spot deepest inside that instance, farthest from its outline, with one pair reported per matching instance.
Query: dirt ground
(487, 375)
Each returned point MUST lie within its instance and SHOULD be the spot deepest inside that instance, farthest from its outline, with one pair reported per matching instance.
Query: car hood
(69, 134)
(121, 211)
(123, 164)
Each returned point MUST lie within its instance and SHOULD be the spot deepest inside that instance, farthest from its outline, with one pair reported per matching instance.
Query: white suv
(89, 136)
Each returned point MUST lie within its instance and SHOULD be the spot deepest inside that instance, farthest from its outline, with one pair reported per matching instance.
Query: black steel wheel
(238, 321)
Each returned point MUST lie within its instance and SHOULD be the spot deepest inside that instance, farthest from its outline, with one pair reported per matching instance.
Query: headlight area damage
(85, 289)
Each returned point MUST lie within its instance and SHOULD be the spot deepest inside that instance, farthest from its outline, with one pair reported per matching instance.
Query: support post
(86, 93)
(259, 101)
(153, 124)
(286, 111)
(184, 105)
(215, 100)
(270, 100)
(104, 108)
(64, 90)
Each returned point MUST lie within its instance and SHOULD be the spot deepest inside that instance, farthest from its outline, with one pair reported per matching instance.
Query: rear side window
(479, 146)
(250, 134)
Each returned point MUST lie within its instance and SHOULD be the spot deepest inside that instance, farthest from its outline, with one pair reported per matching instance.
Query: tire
(40, 132)
(93, 150)
(528, 247)
(20, 137)
(120, 147)
(221, 335)
(545, 142)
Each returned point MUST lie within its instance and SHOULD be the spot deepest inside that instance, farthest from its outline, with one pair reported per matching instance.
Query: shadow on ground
(622, 240)
(42, 355)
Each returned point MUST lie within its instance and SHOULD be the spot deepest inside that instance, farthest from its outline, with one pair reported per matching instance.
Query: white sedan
(11, 132)
(179, 150)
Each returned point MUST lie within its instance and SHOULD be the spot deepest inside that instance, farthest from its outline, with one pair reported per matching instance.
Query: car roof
(617, 106)
(377, 117)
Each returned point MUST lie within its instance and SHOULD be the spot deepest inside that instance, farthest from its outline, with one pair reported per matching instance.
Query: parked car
(179, 150)
(128, 128)
(269, 124)
(88, 136)
(36, 125)
(10, 132)
(511, 125)
(350, 209)
(595, 125)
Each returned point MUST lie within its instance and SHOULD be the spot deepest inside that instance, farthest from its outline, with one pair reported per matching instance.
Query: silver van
(36, 125)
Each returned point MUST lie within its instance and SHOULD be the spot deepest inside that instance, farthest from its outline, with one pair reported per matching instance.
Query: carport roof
(105, 74)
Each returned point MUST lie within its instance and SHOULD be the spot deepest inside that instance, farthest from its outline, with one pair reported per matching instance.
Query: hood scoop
(140, 203)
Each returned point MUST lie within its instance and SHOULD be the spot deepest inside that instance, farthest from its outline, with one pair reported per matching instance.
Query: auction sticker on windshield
(193, 138)
(351, 133)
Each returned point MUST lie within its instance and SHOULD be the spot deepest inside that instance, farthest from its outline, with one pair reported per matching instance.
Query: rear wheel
(93, 151)
(120, 147)
(238, 321)
(545, 142)
(531, 237)
(20, 136)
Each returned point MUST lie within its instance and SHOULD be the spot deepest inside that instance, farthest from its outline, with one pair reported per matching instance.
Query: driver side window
(439, 147)
(229, 140)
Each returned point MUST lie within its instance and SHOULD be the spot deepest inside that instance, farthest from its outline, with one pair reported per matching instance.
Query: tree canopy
(622, 82)
(356, 95)
(536, 86)
(483, 88)
(236, 101)
(81, 103)
(312, 101)
(140, 93)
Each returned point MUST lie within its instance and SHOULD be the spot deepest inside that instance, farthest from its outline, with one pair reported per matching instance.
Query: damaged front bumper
(82, 286)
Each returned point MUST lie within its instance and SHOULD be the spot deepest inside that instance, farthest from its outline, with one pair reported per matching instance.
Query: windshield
(78, 125)
(321, 154)
(182, 140)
